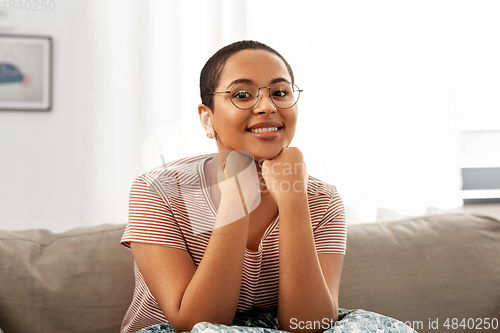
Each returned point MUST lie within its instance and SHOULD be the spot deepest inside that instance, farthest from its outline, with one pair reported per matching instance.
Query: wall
(47, 175)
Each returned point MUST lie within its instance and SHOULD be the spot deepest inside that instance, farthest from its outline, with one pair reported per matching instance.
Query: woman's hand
(285, 175)
(240, 166)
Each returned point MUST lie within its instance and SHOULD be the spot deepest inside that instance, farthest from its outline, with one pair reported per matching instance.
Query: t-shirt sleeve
(330, 235)
(151, 220)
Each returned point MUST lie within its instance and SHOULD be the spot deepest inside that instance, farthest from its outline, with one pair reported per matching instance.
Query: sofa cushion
(425, 268)
(78, 281)
(416, 270)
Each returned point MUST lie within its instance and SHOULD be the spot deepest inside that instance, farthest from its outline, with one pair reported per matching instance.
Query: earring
(209, 135)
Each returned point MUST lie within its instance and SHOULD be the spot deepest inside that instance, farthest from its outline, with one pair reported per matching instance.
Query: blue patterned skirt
(352, 321)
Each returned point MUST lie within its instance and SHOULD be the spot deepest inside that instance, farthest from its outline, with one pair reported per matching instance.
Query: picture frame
(25, 73)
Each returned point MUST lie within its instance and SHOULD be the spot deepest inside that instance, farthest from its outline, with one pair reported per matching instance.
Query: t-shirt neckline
(213, 210)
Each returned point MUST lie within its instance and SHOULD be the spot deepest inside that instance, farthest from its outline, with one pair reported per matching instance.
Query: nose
(264, 103)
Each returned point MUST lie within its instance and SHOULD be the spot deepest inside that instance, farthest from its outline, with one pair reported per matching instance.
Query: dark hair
(211, 72)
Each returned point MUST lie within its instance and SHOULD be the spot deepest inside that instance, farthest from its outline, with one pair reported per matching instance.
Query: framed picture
(25, 72)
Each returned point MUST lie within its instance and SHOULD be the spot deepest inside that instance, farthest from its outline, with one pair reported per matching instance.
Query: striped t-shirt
(171, 206)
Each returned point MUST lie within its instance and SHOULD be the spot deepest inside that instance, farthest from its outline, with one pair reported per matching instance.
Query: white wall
(47, 175)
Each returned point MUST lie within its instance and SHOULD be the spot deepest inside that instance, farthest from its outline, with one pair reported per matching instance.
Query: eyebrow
(273, 81)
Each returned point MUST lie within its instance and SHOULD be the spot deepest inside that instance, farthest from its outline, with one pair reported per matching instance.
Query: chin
(268, 155)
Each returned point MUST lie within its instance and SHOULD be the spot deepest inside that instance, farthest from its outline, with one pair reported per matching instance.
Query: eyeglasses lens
(283, 94)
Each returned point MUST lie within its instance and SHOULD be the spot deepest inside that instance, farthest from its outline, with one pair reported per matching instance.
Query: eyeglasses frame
(258, 94)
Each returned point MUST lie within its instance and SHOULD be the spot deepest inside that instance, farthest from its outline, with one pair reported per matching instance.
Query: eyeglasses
(245, 95)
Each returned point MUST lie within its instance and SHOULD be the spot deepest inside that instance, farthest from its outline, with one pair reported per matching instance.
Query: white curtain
(377, 117)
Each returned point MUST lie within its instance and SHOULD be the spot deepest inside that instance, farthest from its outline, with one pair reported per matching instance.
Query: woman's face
(232, 124)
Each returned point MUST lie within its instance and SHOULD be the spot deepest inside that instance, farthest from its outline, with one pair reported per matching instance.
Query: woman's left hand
(285, 175)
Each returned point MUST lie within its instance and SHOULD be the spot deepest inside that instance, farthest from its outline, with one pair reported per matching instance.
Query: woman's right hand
(239, 165)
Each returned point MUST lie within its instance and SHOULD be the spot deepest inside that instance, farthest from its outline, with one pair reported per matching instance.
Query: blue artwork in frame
(25, 72)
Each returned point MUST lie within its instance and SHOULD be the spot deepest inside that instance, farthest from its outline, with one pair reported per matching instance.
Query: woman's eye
(242, 94)
(280, 93)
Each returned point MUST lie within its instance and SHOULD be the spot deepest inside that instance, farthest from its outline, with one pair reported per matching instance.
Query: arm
(188, 295)
(309, 282)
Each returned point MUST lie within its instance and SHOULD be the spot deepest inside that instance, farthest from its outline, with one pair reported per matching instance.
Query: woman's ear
(205, 113)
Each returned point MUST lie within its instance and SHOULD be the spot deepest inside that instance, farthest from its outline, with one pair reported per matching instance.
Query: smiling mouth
(264, 129)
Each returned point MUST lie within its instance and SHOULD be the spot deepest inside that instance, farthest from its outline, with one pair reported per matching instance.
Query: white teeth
(264, 130)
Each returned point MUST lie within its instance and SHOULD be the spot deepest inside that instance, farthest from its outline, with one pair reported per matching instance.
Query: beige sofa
(422, 270)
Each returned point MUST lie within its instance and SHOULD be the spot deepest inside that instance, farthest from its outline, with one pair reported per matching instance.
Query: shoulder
(323, 199)
(184, 170)
(319, 188)
(171, 179)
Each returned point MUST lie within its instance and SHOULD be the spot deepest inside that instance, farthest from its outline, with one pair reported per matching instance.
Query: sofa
(427, 271)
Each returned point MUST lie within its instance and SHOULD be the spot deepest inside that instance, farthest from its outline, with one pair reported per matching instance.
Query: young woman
(243, 236)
